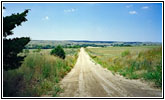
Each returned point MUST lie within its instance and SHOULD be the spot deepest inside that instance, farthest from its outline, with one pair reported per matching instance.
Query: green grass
(125, 53)
(39, 74)
(143, 62)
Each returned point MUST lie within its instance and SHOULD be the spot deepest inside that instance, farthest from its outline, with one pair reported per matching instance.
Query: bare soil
(88, 79)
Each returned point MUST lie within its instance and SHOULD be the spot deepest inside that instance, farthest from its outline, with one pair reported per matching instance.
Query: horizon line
(97, 40)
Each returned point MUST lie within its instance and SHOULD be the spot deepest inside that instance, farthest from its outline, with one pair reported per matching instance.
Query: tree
(58, 51)
(11, 47)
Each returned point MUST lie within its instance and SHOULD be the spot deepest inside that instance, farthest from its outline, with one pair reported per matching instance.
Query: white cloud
(145, 7)
(70, 10)
(45, 18)
(129, 6)
(132, 12)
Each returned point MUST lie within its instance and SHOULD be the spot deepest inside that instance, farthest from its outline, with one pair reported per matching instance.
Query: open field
(39, 74)
(139, 62)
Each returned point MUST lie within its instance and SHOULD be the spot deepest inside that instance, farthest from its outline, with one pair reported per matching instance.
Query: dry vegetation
(39, 74)
(144, 62)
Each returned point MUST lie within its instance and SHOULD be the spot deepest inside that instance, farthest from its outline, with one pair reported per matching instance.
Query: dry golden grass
(132, 62)
(39, 74)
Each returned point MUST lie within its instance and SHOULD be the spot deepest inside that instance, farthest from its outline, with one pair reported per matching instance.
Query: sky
(89, 21)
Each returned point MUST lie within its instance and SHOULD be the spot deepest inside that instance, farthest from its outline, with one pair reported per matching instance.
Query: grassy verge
(143, 62)
(39, 74)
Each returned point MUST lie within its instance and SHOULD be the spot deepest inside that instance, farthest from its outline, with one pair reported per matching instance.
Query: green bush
(26, 51)
(125, 53)
(58, 51)
(155, 75)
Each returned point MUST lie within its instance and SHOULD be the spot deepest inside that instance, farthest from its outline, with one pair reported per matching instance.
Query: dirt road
(88, 79)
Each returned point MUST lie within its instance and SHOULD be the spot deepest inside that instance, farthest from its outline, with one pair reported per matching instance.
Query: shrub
(26, 51)
(58, 51)
(125, 53)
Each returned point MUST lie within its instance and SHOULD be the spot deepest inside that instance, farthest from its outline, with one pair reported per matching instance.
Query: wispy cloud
(132, 12)
(145, 7)
(129, 6)
(70, 10)
(45, 18)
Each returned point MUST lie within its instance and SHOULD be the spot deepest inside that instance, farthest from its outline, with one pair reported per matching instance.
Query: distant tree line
(131, 44)
(122, 45)
(50, 46)
(35, 46)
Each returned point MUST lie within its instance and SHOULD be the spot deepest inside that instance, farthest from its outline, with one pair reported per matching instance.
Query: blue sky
(89, 21)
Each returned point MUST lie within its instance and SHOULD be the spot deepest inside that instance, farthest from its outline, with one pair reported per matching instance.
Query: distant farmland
(49, 44)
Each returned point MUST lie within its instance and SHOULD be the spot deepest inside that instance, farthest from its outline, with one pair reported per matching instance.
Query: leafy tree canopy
(10, 22)
(58, 51)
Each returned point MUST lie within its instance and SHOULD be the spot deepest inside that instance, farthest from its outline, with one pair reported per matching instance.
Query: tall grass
(39, 75)
(132, 62)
